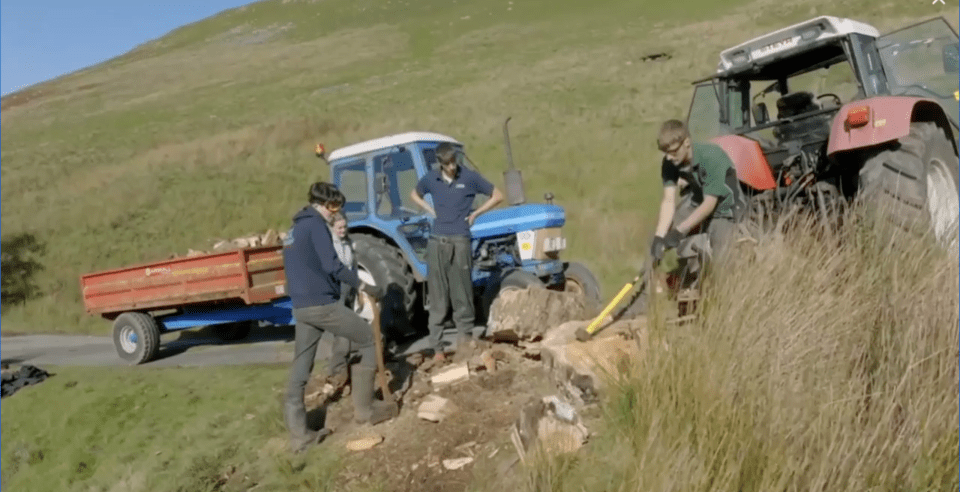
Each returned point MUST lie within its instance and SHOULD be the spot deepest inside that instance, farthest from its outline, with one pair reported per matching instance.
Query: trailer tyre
(136, 337)
(916, 183)
(388, 267)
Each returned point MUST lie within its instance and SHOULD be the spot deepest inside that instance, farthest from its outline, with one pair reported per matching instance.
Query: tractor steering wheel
(835, 97)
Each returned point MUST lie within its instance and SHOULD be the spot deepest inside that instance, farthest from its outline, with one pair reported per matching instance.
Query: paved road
(262, 346)
(193, 348)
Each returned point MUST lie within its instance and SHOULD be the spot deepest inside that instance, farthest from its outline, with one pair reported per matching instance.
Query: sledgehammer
(584, 334)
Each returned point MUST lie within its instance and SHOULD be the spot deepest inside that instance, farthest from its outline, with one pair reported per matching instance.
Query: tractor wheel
(917, 182)
(515, 279)
(580, 280)
(382, 264)
(136, 337)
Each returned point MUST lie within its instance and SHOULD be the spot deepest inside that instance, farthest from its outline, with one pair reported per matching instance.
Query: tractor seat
(796, 103)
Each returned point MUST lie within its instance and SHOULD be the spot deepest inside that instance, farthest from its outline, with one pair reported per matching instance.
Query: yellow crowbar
(584, 334)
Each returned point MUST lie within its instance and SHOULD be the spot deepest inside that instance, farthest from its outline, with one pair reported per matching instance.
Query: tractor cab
(785, 88)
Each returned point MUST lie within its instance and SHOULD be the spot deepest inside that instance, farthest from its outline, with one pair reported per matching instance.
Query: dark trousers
(312, 323)
(449, 284)
(334, 350)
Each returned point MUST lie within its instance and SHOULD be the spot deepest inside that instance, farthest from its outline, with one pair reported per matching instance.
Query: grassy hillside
(208, 131)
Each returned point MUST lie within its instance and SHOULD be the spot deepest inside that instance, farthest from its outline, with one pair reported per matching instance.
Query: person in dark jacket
(314, 275)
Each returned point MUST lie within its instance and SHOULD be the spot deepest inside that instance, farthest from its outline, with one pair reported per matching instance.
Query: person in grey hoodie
(333, 349)
(314, 276)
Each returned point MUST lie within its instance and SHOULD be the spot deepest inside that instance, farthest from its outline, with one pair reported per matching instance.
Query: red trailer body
(251, 275)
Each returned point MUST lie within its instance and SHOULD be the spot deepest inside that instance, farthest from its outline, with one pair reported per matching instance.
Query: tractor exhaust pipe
(512, 179)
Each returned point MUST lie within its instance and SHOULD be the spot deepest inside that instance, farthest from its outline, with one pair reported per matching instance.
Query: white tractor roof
(389, 141)
(790, 37)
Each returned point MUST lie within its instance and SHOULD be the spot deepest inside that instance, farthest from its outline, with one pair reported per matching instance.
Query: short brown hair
(446, 153)
(671, 132)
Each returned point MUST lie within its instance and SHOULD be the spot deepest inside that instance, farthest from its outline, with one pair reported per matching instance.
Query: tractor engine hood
(510, 220)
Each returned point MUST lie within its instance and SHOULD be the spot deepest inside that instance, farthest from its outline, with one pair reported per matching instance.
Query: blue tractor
(516, 246)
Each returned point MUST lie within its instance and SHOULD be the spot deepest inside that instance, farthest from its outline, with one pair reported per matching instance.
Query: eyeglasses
(333, 207)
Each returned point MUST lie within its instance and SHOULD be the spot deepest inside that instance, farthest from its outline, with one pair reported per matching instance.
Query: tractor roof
(389, 141)
(795, 38)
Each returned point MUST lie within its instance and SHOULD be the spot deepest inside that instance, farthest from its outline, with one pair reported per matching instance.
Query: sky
(43, 39)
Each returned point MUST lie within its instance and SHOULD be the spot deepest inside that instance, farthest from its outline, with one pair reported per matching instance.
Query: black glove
(657, 248)
(672, 239)
(373, 291)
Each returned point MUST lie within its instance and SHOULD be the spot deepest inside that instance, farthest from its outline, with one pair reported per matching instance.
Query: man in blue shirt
(314, 274)
(449, 257)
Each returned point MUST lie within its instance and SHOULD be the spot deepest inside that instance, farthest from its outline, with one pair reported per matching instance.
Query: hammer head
(582, 335)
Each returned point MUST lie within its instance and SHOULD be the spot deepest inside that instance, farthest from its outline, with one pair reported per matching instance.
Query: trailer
(231, 290)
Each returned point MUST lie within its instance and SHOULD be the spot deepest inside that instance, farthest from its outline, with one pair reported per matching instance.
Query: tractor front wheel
(579, 279)
(917, 182)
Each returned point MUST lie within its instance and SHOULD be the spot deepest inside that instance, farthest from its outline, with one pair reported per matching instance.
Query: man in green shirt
(714, 192)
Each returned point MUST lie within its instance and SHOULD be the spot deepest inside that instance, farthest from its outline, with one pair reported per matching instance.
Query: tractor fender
(888, 118)
(748, 160)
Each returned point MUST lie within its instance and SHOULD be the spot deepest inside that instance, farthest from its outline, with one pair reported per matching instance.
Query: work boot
(366, 410)
(301, 438)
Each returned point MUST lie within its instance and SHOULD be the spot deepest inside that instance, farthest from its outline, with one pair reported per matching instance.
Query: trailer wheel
(136, 337)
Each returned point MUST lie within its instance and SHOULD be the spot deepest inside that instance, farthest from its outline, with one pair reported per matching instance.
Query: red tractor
(858, 114)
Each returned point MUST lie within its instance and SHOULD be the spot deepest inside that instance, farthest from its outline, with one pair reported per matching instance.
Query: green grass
(190, 430)
(200, 135)
(811, 369)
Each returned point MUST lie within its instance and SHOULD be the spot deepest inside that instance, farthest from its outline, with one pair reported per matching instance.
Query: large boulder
(526, 314)
(578, 368)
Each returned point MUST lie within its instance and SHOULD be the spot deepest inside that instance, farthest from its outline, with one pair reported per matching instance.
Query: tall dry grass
(823, 360)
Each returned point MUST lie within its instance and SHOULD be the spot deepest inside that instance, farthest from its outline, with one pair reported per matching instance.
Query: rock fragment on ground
(451, 375)
(364, 443)
(526, 314)
(548, 424)
(435, 408)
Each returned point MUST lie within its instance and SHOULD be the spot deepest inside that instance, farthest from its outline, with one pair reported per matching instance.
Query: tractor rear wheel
(380, 263)
(917, 182)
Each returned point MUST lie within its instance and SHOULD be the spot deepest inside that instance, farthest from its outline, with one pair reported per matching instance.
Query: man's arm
(422, 203)
(699, 214)
(482, 185)
(417, 193)
(668, 205)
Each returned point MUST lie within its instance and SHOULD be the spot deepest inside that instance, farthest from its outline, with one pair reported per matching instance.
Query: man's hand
(657, 248)
(373, 291)
(672, 239)
(471, 218)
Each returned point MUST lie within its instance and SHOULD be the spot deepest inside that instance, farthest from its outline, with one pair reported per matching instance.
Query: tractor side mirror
(381, 184)
(950, 58)
(760, 113)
